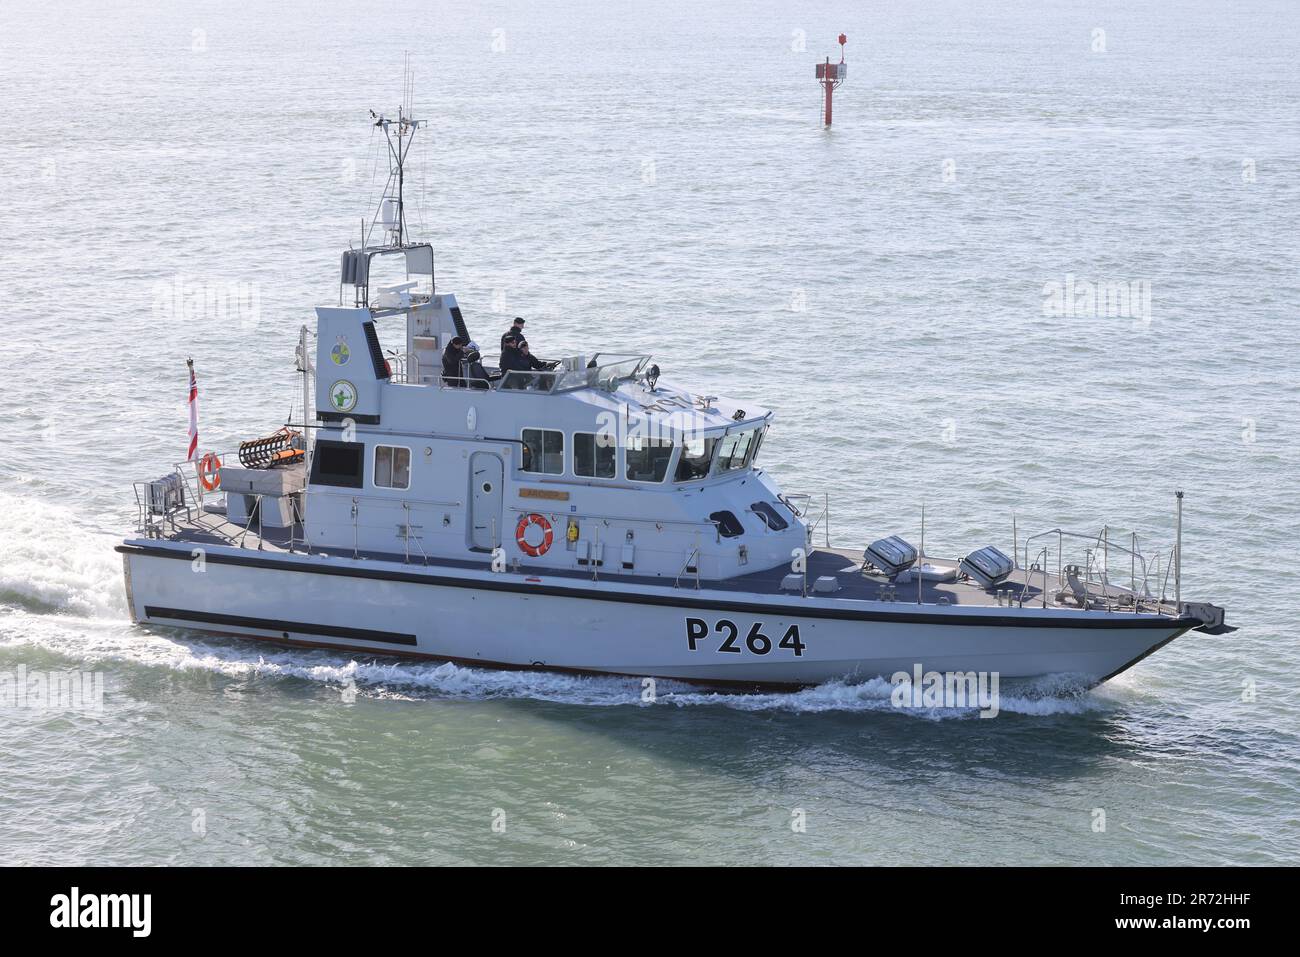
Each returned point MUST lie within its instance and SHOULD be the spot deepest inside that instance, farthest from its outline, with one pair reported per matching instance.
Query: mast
(399, 134)
(389, 216)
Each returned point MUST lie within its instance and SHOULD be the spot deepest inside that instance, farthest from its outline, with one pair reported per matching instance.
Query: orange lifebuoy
(210, 472)
(527, 522)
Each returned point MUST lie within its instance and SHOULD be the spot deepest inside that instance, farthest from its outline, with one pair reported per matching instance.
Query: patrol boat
(589, 517)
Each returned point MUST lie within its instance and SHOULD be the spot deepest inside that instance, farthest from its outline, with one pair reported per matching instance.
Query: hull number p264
(729, 637)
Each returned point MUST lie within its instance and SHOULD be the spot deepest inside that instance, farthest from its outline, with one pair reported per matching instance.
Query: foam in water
(52, 563)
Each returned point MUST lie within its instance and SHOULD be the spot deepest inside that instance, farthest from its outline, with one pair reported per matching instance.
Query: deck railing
(1096, 567)
(564, 375)
(805, 506)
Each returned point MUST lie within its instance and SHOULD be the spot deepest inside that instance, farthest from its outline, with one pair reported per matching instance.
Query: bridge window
(593, 455)
(543, 451)
(733, 449)
(646, 460)
(697, 453)
(392, 466)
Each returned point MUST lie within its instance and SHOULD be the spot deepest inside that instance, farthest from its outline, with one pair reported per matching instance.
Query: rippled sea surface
(654, 177)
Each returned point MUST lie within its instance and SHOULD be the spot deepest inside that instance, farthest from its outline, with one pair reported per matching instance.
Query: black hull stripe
(1102, 620)
(286, 628)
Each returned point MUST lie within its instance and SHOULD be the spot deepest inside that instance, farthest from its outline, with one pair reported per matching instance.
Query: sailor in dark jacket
(452, 357)
(513, 336)
(523, 360)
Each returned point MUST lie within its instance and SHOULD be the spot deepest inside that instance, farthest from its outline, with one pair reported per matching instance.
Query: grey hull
(610, 627)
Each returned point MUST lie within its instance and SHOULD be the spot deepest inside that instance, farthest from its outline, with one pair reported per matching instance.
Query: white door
(485, 475)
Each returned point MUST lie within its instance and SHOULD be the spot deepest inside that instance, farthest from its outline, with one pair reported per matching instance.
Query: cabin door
(485, 474)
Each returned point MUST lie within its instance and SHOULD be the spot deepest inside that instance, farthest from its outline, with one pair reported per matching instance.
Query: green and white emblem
(343, 396)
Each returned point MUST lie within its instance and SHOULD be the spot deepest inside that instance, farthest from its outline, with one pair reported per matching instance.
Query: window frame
(717, 468)
(596, 436)
(374, 467)
(668, 443)
(544, 431)
(708, 467)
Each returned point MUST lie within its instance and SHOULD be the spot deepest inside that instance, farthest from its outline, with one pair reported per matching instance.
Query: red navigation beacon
(830, 75)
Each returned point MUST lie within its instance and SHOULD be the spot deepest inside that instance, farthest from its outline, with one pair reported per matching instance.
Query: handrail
(189, 472)
(529, 380)
(248, 523)
(1095, 567)
(402, 365)
(406, 536)
(384, 500)
(694, 553)
(461, 382)
(529, 509)
(1098, 539)
(148, 508)
(1029, 575)
(555, 378)
(297, 515)
(788, 499)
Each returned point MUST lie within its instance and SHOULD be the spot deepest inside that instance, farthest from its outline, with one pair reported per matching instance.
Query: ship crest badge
(343, 396)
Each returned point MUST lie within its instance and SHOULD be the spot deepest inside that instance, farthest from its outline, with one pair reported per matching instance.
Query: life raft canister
(210, 472)
(531, 521)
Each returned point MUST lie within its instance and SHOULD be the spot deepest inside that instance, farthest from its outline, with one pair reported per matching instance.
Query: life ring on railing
(534, 521)
(210, 472)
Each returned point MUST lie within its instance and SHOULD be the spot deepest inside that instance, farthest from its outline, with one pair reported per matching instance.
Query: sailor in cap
(513, 336)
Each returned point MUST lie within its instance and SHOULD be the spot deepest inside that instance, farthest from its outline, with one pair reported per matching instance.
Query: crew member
(511, 338)
(452, 357)
(521, 359)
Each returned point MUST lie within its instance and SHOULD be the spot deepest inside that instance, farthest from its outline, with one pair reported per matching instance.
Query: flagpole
(194, 425)
(194, 413)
